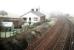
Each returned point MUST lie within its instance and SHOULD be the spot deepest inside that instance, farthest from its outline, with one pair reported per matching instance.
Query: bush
(36, 24)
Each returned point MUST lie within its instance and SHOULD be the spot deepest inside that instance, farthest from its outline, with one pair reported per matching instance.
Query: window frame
(35, 19)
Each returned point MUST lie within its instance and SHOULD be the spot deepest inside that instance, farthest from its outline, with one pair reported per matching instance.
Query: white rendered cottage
(33, 16)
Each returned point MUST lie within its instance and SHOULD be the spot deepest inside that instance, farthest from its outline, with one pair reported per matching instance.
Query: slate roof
(38, 13)
(7, 24)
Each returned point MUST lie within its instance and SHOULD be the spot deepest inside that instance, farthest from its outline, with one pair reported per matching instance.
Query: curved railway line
(59, 37)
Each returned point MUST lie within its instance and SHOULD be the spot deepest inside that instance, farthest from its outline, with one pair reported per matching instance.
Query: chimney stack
(32, 9)
(37, 10)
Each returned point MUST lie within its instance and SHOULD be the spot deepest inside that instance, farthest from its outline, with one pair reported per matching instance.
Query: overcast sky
(46, 6)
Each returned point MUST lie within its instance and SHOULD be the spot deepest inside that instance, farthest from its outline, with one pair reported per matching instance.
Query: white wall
(32, 17)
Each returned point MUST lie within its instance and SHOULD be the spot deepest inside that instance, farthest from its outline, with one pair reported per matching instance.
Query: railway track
(65, 41)
(61, 42)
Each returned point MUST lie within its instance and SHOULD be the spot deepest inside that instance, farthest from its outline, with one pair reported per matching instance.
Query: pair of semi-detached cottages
(33, 16)
(8, 23)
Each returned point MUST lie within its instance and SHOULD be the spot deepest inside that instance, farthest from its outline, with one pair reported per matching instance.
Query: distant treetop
(3, 13)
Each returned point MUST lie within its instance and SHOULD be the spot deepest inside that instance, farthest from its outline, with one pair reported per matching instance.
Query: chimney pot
(32, 9)
(36, 9)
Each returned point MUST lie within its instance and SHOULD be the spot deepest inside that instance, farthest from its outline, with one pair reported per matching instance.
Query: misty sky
(46, 6)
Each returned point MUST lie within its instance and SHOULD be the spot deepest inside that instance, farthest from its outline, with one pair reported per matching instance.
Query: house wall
(32, 16)
(42, 19)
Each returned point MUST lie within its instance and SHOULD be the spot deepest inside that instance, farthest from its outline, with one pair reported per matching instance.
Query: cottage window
(35, 18)
(25, 19)
(30, 19)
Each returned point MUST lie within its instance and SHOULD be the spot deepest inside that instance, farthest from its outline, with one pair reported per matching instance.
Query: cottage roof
(38, 13)
(7, 24)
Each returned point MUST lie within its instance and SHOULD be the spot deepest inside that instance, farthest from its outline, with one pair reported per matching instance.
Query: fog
(20, 7)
